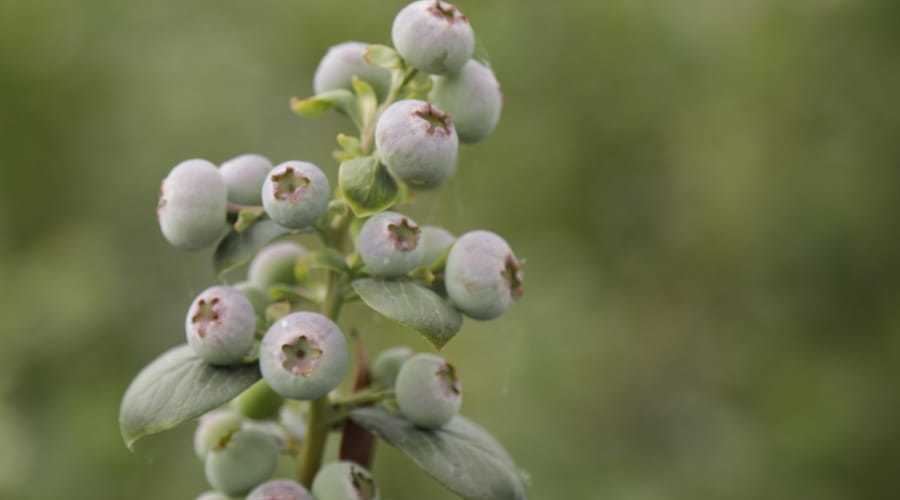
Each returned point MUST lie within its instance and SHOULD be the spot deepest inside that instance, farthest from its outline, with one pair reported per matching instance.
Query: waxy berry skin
(473, 98)
(433, 36)
(274, 264)
(221, 325)
(344, 481)
(213, 429)
(192, 205)
(280, 489)
(344, 61)
(435, 241)
(428, 391)
(244, 176)
(388, 363)
(247, 459)
(295, 194)
(418, 143)
(304, 356)
(483, 277)
(388, 244)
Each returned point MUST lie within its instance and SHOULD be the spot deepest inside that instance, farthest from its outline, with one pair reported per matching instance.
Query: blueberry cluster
(413, 105)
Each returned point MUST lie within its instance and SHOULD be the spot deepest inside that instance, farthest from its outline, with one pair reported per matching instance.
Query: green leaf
(383, 57)
(238, 248)
(247, 217)
(367, 186)
(418, 87)
(177, 387)
(413, 305)
(366, 102)
(462, 456)
(313, 107)
(325, 258)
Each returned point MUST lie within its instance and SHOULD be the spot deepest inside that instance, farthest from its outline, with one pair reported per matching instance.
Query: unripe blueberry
(483, 276)
(258, 299)
(428, 391)
(221, 325)
(214, 495)
(388, 244)
(192, 205)
(344, 61)
(434, 36)
(304, 356)
(246, 460)
(417, 142)
(388, 363)
(473, 99)
(271, 428)
(435, 241)
(280, 489)
(214, 430)
(344, 481)
(295, 194)
(244, 177)
(275, 264)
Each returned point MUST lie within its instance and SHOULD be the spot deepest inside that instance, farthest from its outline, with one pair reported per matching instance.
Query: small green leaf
(413, 305)
(313, 107)
(418, 87)
(177, 387)
(350, 148)
(383, 57)
(247, 217)
(366, 102)
(462, 456)
(238, 248)
(367, 186)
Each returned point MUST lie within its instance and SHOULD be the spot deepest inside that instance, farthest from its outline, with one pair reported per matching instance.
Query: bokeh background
(706, 192)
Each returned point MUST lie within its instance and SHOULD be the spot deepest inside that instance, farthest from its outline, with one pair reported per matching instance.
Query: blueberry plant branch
(265, 357)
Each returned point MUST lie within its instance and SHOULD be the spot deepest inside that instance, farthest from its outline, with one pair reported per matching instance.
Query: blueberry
(483, 276)
(473, 99)
(280, 489)
(214, 429)
(247, 459)
(271, 428)
(428, 391)
(304, 356)
(295, 194)
(435, 241)
(221, 325)
(388, 363)
(258, 298)
(192, 205)
(344, 481)
(433, 36)
(344, 61)
(275, 264)
(214, 495)
(244, 177)
(293, 419)
(388, 244)
(418, 143)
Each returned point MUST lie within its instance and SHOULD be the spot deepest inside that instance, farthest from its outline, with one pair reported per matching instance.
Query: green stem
(318, 425)
(368, 131)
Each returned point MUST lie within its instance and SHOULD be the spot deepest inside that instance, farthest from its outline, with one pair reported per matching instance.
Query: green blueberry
(388, 363)
(246, 460)
(433, 36)
(473, 98)
(192, 205)
(275, 264)
(258, 298)
(428, 391)
(344, 61)
(280, 489)
(214, 495)
(304, 356)
(271, 428)
(221, 325)
(244, 177)
(388, 244)
(435, 241)
(295, 194)
(344, 481)
(483, 276)
(214, 429)
(418, 143)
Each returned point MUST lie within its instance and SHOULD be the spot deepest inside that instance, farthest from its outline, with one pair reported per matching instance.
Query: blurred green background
(705, 190)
